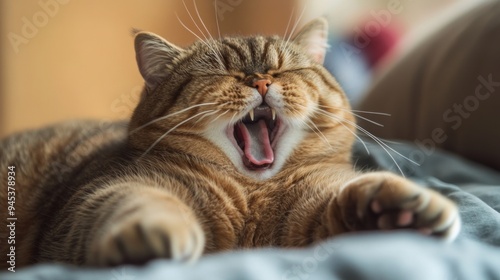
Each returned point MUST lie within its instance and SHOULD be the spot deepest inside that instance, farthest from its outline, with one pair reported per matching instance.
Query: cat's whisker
(204, 26)
(384, 144)
(172, 129)
(217, 53)
(368, 120)
(372, 113)
(390, 142)
(341, 121)
(315, 131)
(215, 112)
(352, 132)
(190, 31)
(170, 115)
(217, 19)
(232, 118)
(192, 19)
(201, 20)
(286, 50)
(204, 116)
(357, 111)
(216, 48)
(318, 110)
(199, 38)
(357, 115)
(296, 24)
(366, 132)
(321, 135)
(376, 139)
(287, 26)
(214, 120)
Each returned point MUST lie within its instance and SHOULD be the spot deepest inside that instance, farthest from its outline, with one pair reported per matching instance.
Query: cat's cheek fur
(218, 136)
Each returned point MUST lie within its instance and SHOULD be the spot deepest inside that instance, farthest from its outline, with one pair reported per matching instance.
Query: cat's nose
(261, 85)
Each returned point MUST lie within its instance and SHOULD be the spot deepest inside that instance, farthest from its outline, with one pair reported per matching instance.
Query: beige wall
(78, 62)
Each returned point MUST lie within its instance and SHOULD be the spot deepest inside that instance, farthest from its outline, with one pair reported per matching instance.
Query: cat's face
(257, 99)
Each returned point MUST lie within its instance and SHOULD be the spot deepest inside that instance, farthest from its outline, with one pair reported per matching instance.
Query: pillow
(445, 91)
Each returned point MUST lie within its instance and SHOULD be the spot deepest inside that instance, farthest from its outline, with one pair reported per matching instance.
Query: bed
(475, 255)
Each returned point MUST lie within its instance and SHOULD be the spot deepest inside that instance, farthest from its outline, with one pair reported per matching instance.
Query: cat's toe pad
(385, 201)
(140, 238)
(431, 215)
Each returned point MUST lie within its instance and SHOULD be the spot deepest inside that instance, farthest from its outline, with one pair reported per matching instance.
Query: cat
(239, 142)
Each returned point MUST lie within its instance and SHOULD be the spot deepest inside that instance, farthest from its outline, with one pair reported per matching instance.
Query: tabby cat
(239, 142)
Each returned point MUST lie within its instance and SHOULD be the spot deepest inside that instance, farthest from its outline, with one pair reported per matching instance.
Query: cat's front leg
(143, 223)
(385, 201)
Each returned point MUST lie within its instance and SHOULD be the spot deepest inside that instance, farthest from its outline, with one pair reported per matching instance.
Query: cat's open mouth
(255, 137)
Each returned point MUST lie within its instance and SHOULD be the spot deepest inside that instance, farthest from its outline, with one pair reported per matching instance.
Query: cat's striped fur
(173, 182)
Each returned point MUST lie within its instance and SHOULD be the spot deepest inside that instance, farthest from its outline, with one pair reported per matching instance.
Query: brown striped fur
(102, 194)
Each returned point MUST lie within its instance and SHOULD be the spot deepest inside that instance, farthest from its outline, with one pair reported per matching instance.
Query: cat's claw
(142, 237)
(385, 201)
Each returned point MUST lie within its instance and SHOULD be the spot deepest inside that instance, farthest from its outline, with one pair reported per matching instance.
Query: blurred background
(66, 59)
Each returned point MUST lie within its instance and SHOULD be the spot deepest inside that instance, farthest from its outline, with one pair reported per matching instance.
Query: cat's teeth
(251, 113)
(273, 112)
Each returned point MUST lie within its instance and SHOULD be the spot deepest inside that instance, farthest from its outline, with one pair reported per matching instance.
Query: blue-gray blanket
(388, 256)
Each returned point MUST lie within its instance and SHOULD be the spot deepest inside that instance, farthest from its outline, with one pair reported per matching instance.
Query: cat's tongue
(257, 143)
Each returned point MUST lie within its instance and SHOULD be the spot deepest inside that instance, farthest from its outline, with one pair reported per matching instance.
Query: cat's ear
(313, 37)
(155, 57)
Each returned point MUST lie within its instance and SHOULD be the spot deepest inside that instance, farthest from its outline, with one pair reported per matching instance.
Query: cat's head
(260, 100)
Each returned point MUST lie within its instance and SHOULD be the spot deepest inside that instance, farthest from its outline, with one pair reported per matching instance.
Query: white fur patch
(291, 138)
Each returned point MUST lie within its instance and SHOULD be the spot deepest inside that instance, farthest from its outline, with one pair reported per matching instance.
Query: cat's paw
(385, 201)
(143, 235)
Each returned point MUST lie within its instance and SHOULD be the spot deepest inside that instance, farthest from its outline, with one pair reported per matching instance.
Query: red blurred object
(376, 41)
(382, 45)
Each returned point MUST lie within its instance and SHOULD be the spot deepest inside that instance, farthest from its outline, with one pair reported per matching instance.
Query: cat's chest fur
(250, 212)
